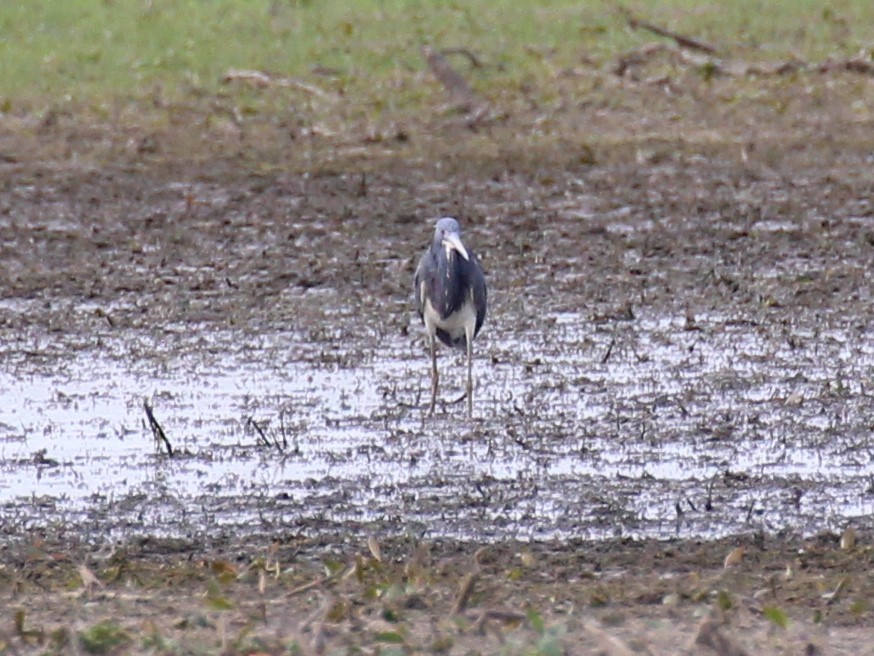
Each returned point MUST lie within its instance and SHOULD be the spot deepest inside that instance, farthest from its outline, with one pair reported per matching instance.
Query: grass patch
(99, 82)
(283, 601)
(91, 50)
(103, 638)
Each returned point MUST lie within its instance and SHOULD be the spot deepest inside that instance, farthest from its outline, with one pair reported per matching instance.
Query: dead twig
(262, 79)
(315, 624)
(472, 58)
(709, 635)
(284, 433)
(454, 83)
(860, 65)
(319, 638)
(498, 615)
(319, 582)
(504, 615)
(264, 439)
(606, 356)
(89, 579)
(638, 57)
(464, 591)
(680, 39)
(311, 585)
(157, 432)
(608, 644)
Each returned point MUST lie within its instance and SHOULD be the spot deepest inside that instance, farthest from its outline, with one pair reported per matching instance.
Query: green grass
(94, 50)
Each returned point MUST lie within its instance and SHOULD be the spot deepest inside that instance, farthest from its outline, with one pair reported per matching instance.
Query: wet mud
(675, 347)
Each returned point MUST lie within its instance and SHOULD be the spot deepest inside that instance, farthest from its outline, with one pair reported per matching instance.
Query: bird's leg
(469, 373)
(469, 380)
(435, 377)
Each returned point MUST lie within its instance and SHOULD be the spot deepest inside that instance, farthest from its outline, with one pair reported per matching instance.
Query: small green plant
(103, 638)
(777, 616)
(215, 597)
(536, 621)
(723, 600)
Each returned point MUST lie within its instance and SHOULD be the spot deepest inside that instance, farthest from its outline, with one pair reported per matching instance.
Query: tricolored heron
(450, 293)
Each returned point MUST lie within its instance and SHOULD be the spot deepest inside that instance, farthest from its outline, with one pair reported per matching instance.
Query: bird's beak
(452, 241)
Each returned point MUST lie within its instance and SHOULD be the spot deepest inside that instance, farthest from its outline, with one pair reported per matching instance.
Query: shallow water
(582, 429)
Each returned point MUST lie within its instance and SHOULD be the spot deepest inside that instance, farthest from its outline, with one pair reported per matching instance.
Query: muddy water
(647, 428)
(660, 381)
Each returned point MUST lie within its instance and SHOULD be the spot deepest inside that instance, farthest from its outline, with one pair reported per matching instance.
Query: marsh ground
(677, 363)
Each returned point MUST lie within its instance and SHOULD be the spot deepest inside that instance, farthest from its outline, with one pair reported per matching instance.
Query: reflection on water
(645, 427)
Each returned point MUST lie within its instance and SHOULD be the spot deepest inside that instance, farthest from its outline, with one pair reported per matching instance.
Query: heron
(451, 295)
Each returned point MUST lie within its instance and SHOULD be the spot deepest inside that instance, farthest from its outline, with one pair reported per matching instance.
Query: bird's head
(447, 235)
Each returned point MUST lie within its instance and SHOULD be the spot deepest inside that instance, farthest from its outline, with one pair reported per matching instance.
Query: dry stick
(263, 439)
(319, 638)
(472, 58)
(262, 79)
(852, 65)
(638, 56)
(710, 636)
(282, 430)
(609, 350)
(464, 591)
(856, 65)
(680, 39)
(311, 585)
(643, 54)
(452, 81)
(316, 622)
(317, 583)
(496, 614)
(608, 644)
(504, 615)
(157, 431)
(750, 510)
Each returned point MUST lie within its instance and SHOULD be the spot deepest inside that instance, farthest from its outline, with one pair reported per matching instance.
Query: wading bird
(451, 298)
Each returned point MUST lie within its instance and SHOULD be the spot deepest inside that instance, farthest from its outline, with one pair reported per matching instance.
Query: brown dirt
(250, 596)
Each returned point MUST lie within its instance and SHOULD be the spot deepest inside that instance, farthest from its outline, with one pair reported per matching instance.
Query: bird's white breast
(456, 324)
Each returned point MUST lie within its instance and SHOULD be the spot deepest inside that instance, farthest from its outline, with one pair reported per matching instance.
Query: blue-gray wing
(418, 292)
(480, 295)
